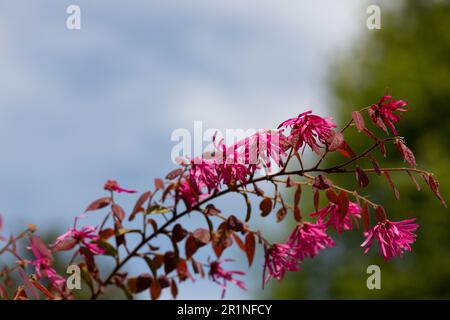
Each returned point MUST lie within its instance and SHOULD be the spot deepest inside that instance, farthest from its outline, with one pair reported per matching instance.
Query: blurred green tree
(408, 58)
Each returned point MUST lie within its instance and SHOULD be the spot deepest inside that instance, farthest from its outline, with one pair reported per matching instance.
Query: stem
(371, 170)
(354, 193)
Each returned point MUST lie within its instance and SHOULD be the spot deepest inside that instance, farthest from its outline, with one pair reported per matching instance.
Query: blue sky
(80, 107)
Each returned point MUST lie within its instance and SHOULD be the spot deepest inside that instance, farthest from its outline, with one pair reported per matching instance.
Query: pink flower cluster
(308, 239)
(113, 186)
(43, 263)
(235, 164)
(220, 276)
(87, 236)
(393, 237)
(231, 165)
(330, 216)
(309, 129)
(280, 258)
(383, 113)
(305, 241)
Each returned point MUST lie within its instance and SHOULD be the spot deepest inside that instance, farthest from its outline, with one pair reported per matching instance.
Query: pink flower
(309, 129)
(382, 114)
(230, 173)
(203, 173)
(43, 263)
(87, 237)
(231, 165)
(331, 211)
(113, 186)
(393, 237)
(280, 258)
(309, 239)
(263, 147)
(189, 193)
(220, 276)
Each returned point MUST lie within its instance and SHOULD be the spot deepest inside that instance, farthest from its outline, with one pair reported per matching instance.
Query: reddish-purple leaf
(105, 234)
(414, 180)
(170, 261)
(346, 151)
(281, 214)
(65, 245)
(380, 214)
(358, 119)
(321, 182)
(99, 204)
(405, 152)
(118, 211)
(139, 284)
(297, 214)
(174, 174)
(138, 207)
(182, 270)
(239, 241)
(201, 236)
(265, 206)
(159, 184)
(434, 186)
(221, 239)
(289, 182)
(155, 290)
(343, 204)
(173, 289)
(167, 191)
(378, 121)
(297, 195)
(335, 141)
(250, 247)
(391, 183)
(375, 165)
(332, 196)
(316, 196)
(365, 217)
(361, 177)
(155, 263)
(178, 233)
(235, 224)
(211, 210)
(190, 246)
(164, 281)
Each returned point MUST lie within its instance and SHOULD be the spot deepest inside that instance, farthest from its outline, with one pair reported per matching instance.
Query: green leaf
(109, 248)
(123, 231)
(157, 209)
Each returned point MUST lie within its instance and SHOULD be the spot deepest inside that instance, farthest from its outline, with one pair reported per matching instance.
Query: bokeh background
(80, 107)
